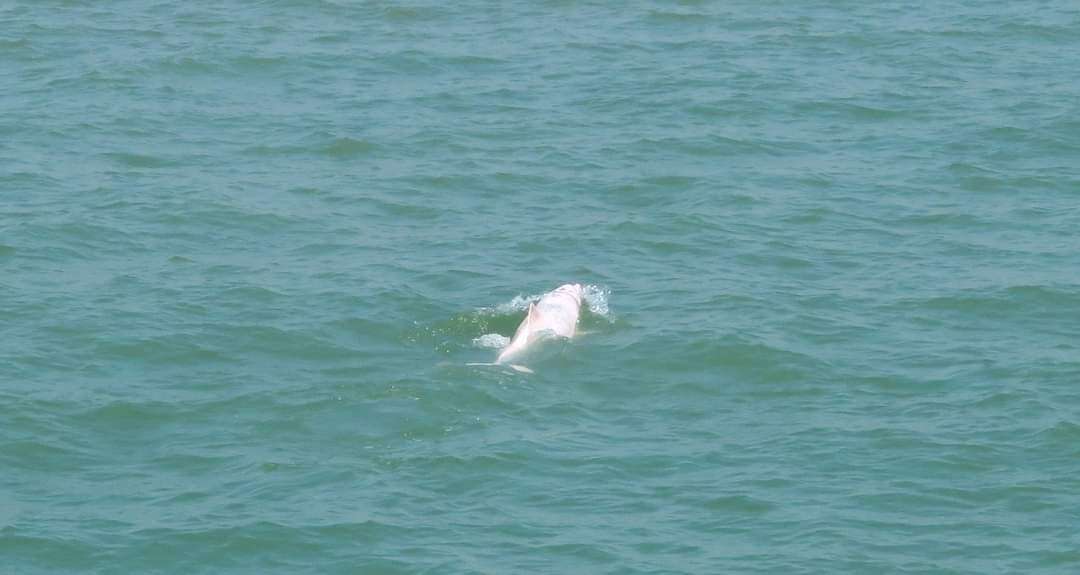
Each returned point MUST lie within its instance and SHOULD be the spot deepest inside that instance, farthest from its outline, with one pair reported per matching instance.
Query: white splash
(491, 340)
(596, 297)
(519, 303)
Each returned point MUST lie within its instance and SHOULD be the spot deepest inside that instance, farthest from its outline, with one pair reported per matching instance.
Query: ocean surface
(248, 251)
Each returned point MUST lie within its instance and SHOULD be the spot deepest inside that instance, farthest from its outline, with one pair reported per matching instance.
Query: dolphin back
(555, 314)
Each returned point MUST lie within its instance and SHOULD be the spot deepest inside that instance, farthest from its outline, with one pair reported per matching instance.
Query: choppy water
(247, 249)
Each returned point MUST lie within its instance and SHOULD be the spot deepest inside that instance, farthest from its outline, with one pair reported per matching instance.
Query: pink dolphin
(554, 315)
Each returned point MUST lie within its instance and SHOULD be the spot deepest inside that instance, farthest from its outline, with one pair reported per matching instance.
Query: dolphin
(554, 315)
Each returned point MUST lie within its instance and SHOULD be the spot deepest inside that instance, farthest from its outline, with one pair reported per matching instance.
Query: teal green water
(248, 248)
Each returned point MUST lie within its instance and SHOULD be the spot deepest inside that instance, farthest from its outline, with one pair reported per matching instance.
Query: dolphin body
(554, 315)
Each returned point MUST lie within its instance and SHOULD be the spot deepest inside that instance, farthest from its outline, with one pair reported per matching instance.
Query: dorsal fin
(524, 327)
